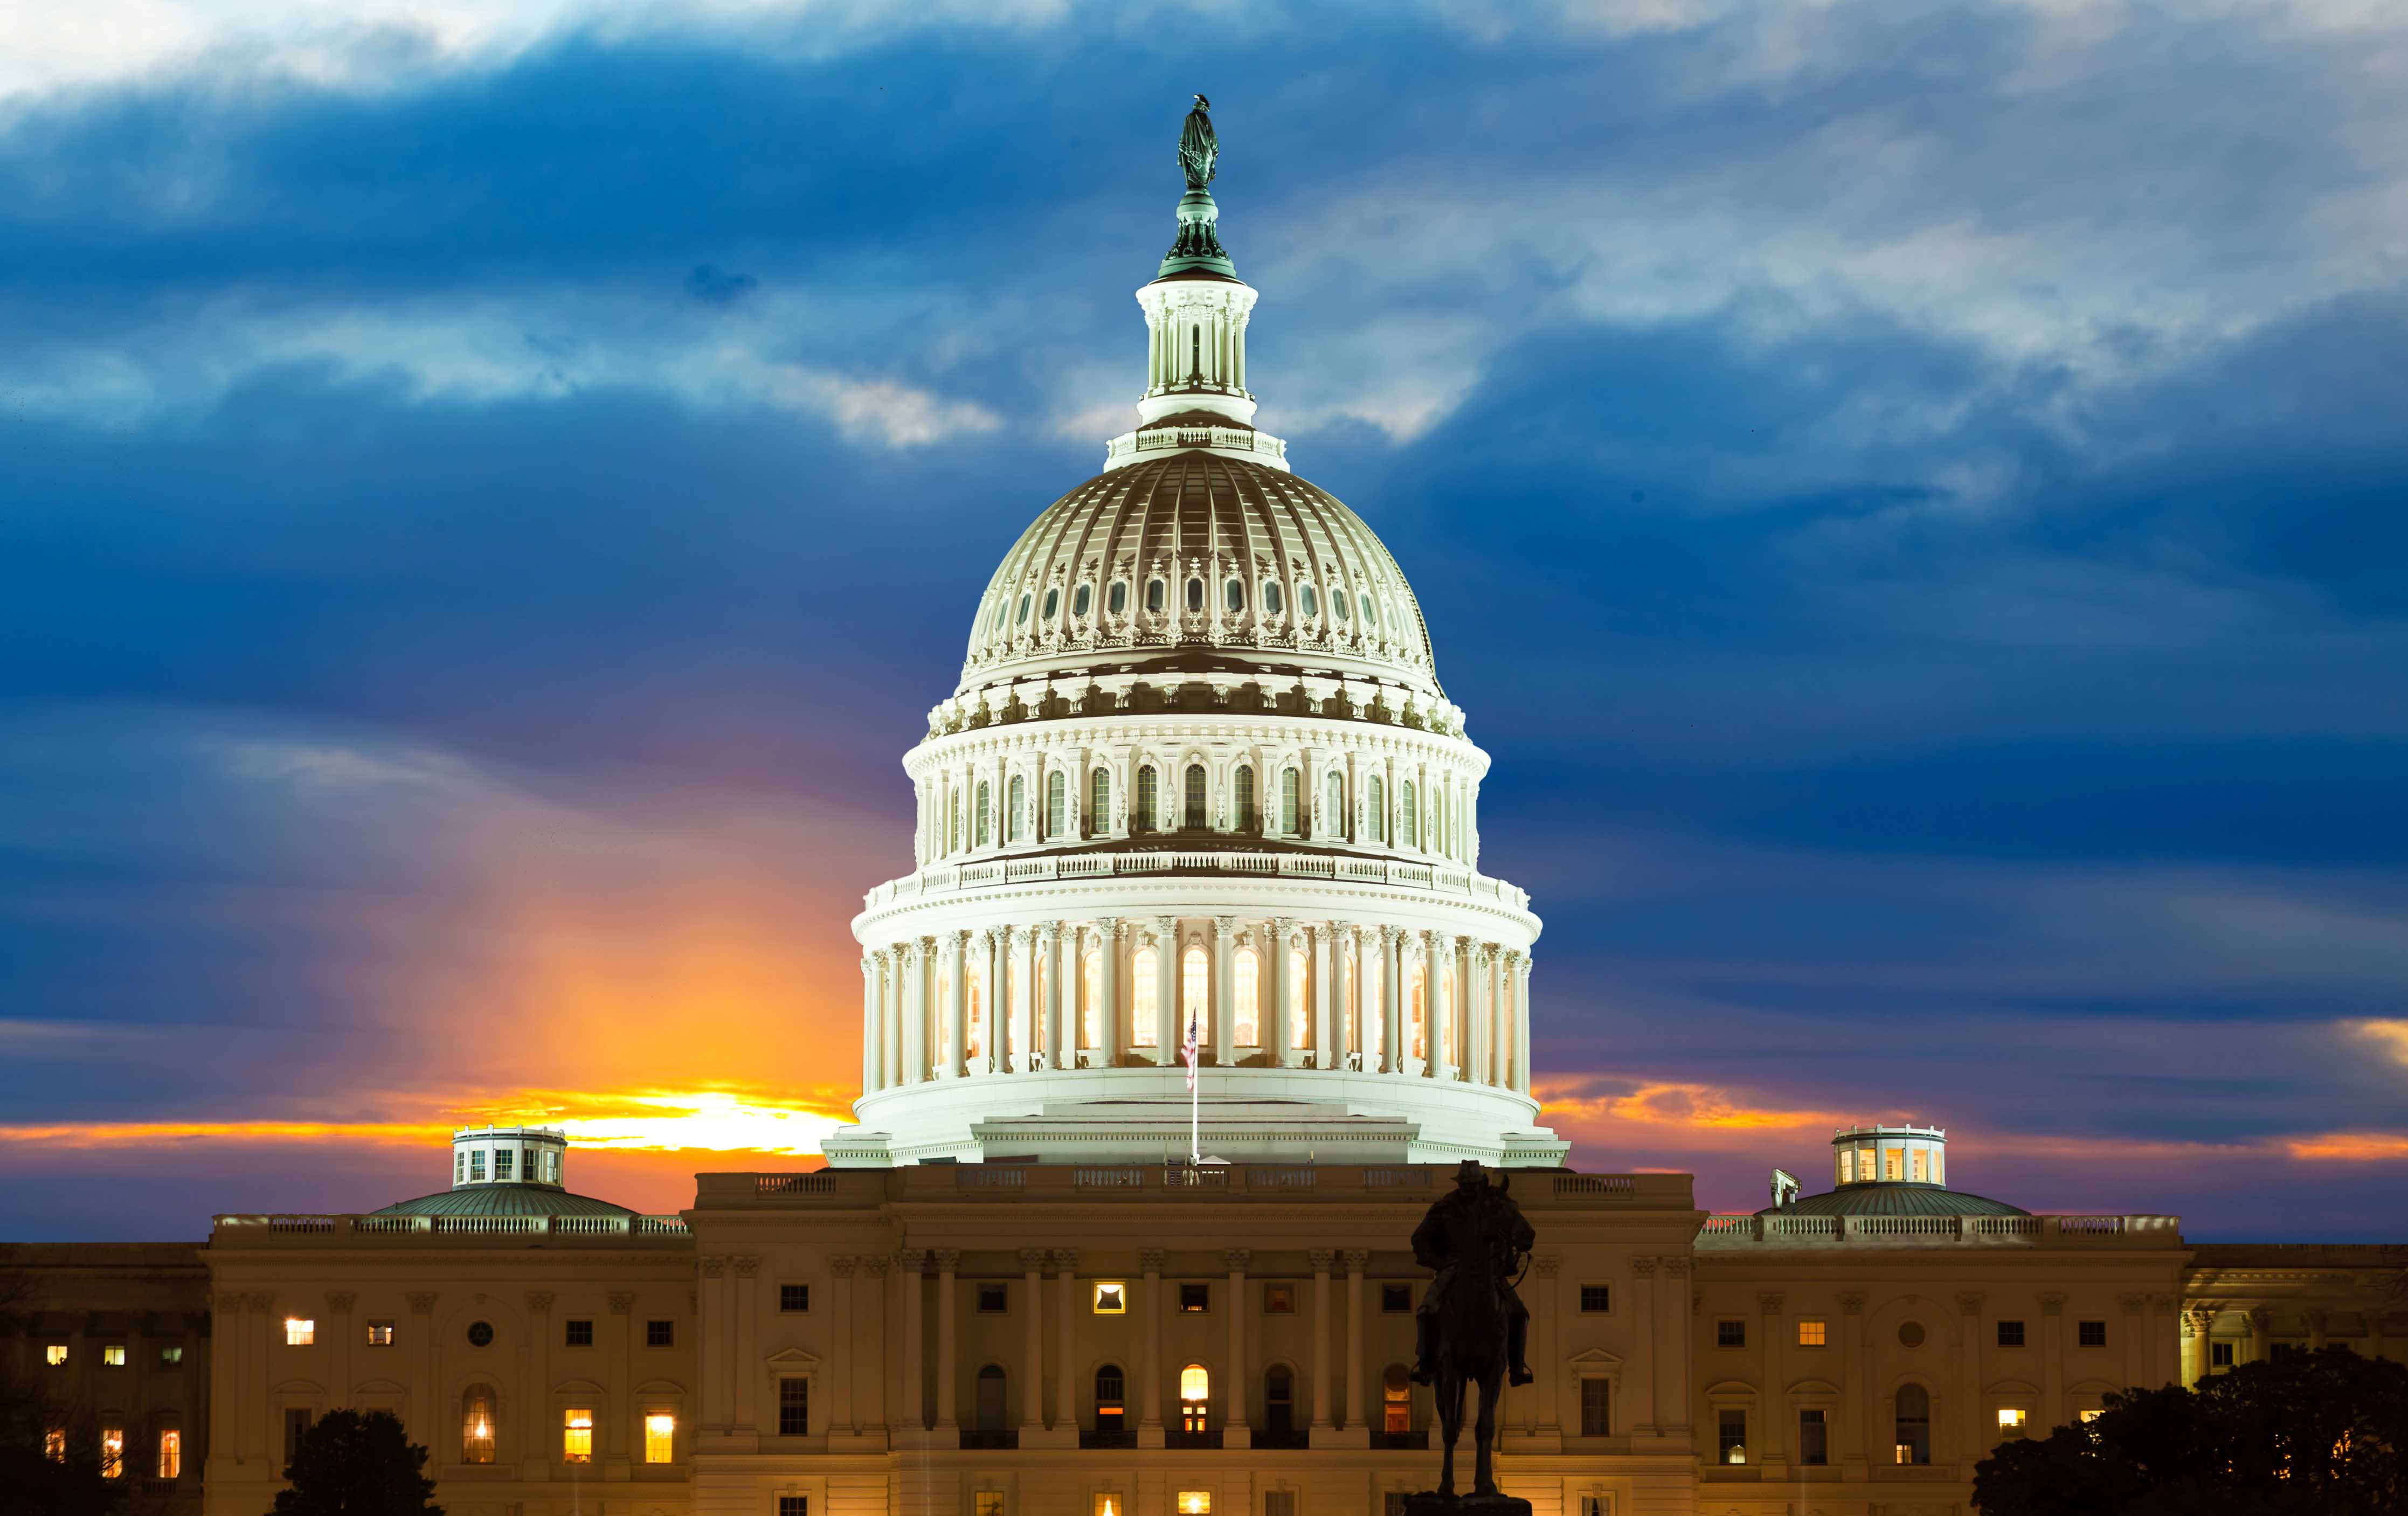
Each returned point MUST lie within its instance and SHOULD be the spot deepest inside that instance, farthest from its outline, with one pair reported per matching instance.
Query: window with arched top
(1233, 597)
(1913, 1443)
(1157, 595)
(1112, 1398)
(1015, 809)
(1291, 786)
(1406, 814)
(1272, 599)
(1278, 1399)
(1196, 596)
(1308, 600)
(1197, 818)
(974, 1002)
(990, 1398)
(1379, 807)
(1396, 1401)
(1020, 617)
(1337, 603)
(477, 1425)
(983, 816)
(1334, 807)
(995, 622)
(1245, 786)
(1052, 604)
(1116, 598)
(1057, 804)
(1247, 1007)
(1080, 599)
(1195, 996)
(1195, 1398)
(1145, 997)
(1099, 802)
(1371, 616)
(1148, 802)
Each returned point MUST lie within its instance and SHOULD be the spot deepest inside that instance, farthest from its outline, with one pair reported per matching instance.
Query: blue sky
(1909, 497)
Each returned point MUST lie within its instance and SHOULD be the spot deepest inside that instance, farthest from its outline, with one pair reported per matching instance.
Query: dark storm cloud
(1912, 509)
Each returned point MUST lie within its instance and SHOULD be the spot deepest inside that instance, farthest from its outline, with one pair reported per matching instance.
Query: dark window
(1395, 1298)
(660, 1334)
(1153, 595)
(1392, 1503)
(296, 1426)
(2219, 1355)
(1119, 596)
(794, 1505)
(481, 1333)
(2091, 1334)
(1813, 1439)
(172, 1355)
(1278, 1503)
(1731, 1334)
(794, 1407)
(2011, 1333)
(1279, 1299)
(1112, 1398)
(1148, 801)
(1195, 594)
(1278, 1399)
(1196, 820)
(581, 1332)
(1597, 1298)
(990, 1398)
(994, 1298)
(1730, 1437)
(793, 1297)
(1194, 1297)
(1596, 1408)
(1914, 1439)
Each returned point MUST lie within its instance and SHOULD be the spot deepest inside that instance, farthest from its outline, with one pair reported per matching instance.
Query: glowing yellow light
(54, 1444)
(55, 1354)
(299, 1332)
(112, 1452)
(2010, 1417)
(113, 1356)
(660, 1436)
(1195, 1503)
(1112, 1297)
(171, 1455)
(1195, 1383)
(2089, 1415)
(577, 1438)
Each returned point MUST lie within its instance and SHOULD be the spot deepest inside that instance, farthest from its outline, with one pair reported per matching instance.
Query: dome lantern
(484, 1155)
(1879, 1154)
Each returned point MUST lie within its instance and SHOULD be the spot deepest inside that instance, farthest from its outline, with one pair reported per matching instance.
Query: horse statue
(1472, 1327)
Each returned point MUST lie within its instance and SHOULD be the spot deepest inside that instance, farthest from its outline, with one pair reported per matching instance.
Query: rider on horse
(1475, 1216)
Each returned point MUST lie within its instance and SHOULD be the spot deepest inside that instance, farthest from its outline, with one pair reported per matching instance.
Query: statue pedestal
(1430, 1503)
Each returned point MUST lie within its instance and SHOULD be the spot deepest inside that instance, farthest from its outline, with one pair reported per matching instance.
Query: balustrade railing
(938, 879)
(1778, 1230)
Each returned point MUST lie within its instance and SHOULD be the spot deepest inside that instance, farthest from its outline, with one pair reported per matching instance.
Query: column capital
(714, 1267)
(1066, 1260)
(1225, 928)
(747, 1266)
(840, 1265)
(1167, 928)
(621, 1302)
(1032, 1260)
(2202, 1320)
(2133, 1304)
(1970, 1302)
(2258, 1317)
(1852, 1302)
(1236, 1259)
(1548, 1266)
(2317, 1320)
(1769, 1301)
(2052, 1305)
(339, 1302)
(948, 1259)
(1355, 1258)
(538, 1302)
(1321, 1258)
(1149, 1260)
(1642, 1268)
(874, 1265)
(912, 1259)
(1676, 1268)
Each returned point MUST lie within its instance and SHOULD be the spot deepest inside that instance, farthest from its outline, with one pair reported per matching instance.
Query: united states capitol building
(1199, 772)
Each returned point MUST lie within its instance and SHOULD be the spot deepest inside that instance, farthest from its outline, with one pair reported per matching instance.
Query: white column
(957, 999)
(1328, 1051)
(1392, 1010)
(1032, 1371)
(1224, 1030)
(1235, 1432)
(1167, 1030)
(1284, 1008)
(1520, 989)
(1321, 1259)
(915, 1024)
(998, 962)
(1500, 1014)
(1061, 997)
(873, 1033)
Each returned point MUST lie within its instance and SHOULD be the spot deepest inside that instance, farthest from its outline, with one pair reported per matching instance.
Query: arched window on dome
(1233, 597)
(1334, 810)
(1307, 600)
(1247, 1007)
(1157, 595)
(984, 814)
(1052, 604)
(1057, 804)
(1371, 616)
(1149, 803)
(1337, 602)
(1016, 812)
(1020, 618)
(1406, 814)
(1291, 785)
(1145, 997)
(1194, 996)
(1099, 802)
(1272, 600)
(1197, 818)
(1080, 598)
(1417, 1012)
(1377, 794)
(1245, 786)
(1299, 1031)
(1091, 1000)
(1196, 596)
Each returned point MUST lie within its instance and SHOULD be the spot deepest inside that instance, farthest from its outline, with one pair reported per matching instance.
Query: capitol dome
(1197, 795)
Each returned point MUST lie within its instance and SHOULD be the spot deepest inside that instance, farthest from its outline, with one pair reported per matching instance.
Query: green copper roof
(1895, 1198)
(505, 1200)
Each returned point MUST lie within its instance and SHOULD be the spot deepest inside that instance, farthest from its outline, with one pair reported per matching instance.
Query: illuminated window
(1145, 990)
(1730, 1436)
(1890, 1163)
(1195, 985)
(1416, 1014)
(113, 1356)
(299, 1332)
(1396, 1401)
(1246, 820)
(1057, 804)
(477, 1425)
(1847, 1167)
(1915, 1165)
(660, 1436)
(1197, 819)
(1813, 1334)
(1195, 1397)
(987, 1503)
(1912, 1443)
(974, 1008)
(1195, 1503)
(172, 1355)
(1099, 802)
(1299, 1031)
(54, 1444)
(1109, 1503)
(112, 1452)
(577, 1436)
(1279, 1299)
(1249, 1000)
(1091, 1000)
(2011, 1420)
(1112, 1297)
(2087, 1416)
(171, 1455)
(794, 1407)
(1194, 1299)
(380, 1333)
(1112, 1402)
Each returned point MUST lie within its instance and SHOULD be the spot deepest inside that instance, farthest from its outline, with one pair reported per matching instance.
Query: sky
(1912, 499)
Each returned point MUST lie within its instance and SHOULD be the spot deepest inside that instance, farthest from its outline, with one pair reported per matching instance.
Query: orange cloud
(1674, 1104)
(2391, 1035)
(2351, 1147)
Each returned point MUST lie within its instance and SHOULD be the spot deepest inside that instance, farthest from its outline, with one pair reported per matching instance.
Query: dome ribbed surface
(505, 1200)
(1895, 1198)
(1199, 515)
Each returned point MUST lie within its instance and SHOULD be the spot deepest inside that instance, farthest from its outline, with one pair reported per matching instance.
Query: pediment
(297, 1387)
(578, 1387)
(2010, 1387)
(793, 1358)
(1731, 1389)
(1595, 1358)
(379, 1387)
(660, 1387)
(1814, 1387)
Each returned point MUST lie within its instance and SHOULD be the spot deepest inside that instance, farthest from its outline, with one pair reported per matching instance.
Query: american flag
(1188, 1051)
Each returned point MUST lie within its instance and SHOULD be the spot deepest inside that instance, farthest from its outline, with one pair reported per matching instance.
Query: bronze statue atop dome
(1199, 151)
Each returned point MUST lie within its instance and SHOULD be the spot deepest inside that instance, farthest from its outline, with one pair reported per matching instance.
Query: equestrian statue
(1472, 1328)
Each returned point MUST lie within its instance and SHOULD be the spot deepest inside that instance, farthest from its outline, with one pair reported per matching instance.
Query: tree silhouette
(357, 1464)
(2300, 1434)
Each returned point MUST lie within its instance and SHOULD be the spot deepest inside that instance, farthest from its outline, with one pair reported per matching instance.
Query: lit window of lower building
(1195, 1398)
(1730, 1437)
(55, 1354)
(660, 1437)
(113, 1356)
(1195, 1503)
(577, 1436)
(1112, 1297)
(171, 1356)
(299, 1332)
(171, 1455)
(1396, 1401)
(987, 1503)
(112, 1452)
(54, 1444)
(2011, 1420)
(380, 1333)
(1814, 1334)
(477, 1425)
(1109, 1503)
(2088, 1415)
